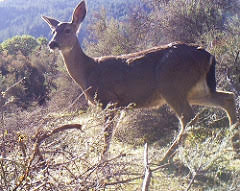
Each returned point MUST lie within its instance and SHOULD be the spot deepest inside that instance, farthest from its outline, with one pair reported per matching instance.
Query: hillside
(24, 16)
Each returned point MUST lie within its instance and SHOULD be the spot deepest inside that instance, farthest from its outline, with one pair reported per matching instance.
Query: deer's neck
(78, 64)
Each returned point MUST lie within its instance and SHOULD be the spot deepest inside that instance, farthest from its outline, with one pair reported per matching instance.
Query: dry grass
(36, 155)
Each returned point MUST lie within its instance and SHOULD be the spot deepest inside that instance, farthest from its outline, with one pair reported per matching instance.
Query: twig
(236, 58)
(39, 138)
(148, 172)
(39, 186)
(191, 182)
(83, 93)
(72, 174)
(161, 166)
(12, 86)
(95, 166)
(193, 178)
(3, 174)
(4, 94)
(123, 181)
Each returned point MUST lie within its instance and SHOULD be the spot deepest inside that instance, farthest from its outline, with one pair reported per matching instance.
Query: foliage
(193, 19)
(42, 41)
(25, 44)
(28, 79)
(225, 46)
(185, 21)
(107, 36)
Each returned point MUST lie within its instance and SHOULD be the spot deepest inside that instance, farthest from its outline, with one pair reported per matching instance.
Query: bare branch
(39, 138)
(148, 172)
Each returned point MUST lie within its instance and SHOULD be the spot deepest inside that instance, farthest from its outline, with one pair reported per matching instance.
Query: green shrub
(42, 41)
(28, 80)
(25, 44)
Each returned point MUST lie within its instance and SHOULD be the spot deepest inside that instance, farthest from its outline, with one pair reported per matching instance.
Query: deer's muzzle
(53, 45)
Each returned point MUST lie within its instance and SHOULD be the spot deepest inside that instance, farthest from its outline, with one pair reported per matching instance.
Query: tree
(25, 44)
(31, 78)
(42, 41)
(108, 36)
(225, 46)
(180, 20)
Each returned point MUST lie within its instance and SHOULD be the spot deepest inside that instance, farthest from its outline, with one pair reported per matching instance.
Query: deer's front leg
(108, 133)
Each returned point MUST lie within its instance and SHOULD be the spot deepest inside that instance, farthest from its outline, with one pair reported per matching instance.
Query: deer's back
(143, 77)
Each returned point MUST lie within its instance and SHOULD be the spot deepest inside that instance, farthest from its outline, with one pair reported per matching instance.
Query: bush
(107, 37)
(42, 41)
(224, 45)
(138, 127)
(25, 79)
(25, 44)
(1, 49)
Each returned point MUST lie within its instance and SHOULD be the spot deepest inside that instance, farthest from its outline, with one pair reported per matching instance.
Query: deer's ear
(79, 14)
(51, 22)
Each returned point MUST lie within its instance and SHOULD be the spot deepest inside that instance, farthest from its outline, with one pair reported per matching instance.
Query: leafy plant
(25, 44)
(107, 36)
(28, 79)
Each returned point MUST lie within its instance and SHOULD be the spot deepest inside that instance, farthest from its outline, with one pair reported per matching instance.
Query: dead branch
(123, 181)
(41, 136)
(148, 172)
(38, 139)
(83, 93)
(101, 164)
(236, 58)
(191, 182)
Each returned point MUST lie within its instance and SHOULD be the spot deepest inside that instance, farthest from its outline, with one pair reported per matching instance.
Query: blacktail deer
(176, 74)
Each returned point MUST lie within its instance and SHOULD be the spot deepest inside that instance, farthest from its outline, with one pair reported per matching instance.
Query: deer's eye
(67, 31)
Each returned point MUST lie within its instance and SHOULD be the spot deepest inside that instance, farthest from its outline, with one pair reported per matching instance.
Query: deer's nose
(53, 44)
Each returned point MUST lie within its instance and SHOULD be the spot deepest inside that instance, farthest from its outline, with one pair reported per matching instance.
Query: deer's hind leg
(224, 100)
(220, 99)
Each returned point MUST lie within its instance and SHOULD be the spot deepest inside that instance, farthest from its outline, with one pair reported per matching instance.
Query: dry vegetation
(39, 150)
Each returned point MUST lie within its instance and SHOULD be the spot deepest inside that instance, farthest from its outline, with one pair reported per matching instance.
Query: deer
(177, 74)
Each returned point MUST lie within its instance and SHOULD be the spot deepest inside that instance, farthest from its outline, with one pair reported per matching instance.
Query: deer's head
(65, 33)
